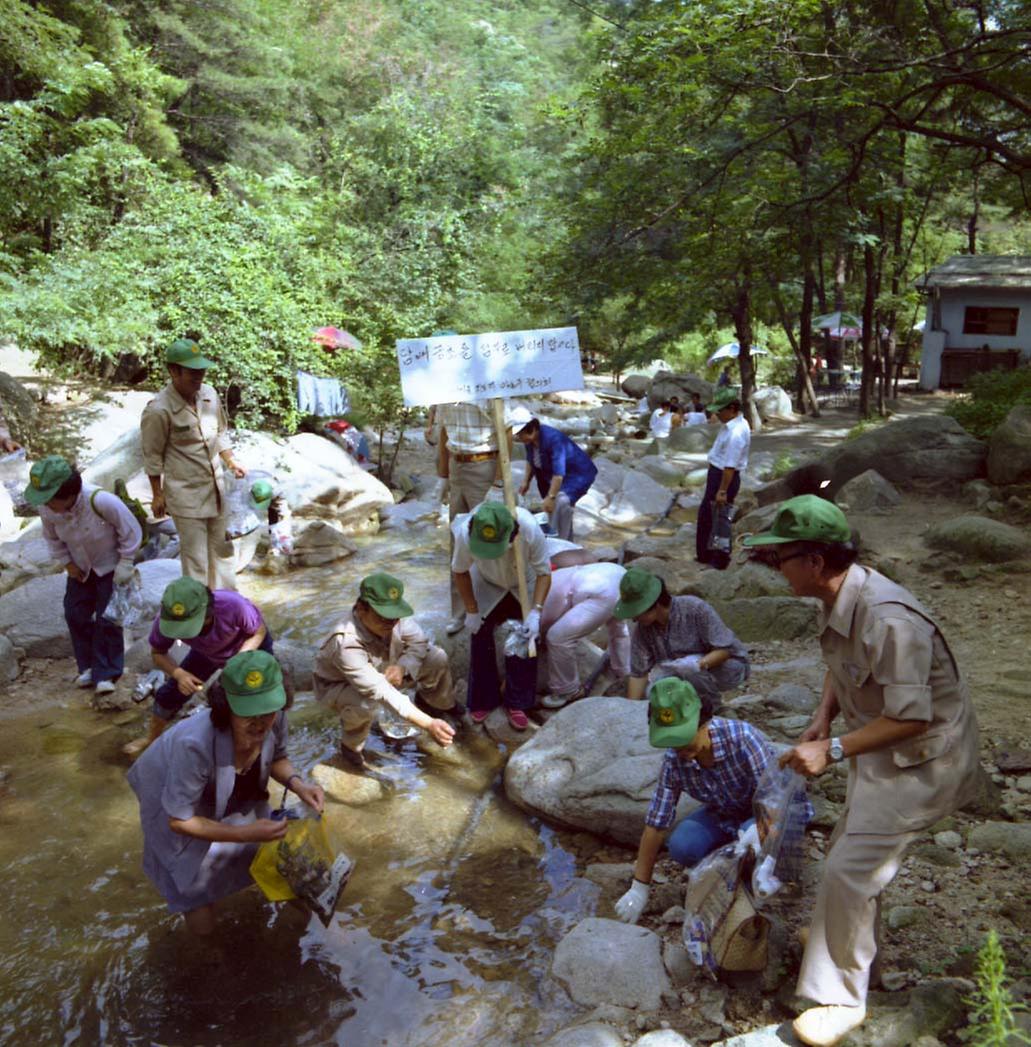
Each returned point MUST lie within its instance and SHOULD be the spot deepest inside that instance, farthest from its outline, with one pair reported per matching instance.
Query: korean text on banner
(460, 368)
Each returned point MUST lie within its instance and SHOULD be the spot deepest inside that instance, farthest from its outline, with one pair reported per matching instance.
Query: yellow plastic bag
(303, 865)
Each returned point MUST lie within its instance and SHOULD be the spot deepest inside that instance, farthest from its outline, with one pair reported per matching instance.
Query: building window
(982, 319)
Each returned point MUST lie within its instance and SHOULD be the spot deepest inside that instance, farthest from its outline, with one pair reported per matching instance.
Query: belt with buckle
(479, 456)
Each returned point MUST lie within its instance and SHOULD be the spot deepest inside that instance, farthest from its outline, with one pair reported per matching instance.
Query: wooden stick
(498, 407)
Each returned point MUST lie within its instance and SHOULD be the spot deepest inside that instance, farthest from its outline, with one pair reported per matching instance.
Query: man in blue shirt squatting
(564, 471)
(718, 762)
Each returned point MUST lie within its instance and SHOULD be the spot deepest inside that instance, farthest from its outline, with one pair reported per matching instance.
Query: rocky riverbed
(470, 920)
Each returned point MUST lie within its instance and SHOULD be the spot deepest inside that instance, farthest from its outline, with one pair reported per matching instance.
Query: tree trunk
(869, 329)
(806, 391)
(741, 313)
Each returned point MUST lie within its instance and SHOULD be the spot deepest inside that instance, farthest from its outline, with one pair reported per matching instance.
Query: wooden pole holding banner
(498, 409)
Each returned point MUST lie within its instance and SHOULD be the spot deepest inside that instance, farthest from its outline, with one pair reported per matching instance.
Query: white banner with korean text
(463, 367)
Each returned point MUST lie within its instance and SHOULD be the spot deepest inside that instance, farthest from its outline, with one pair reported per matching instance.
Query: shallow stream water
(443, 936)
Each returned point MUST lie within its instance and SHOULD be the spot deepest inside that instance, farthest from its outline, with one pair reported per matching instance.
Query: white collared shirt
(730, 451)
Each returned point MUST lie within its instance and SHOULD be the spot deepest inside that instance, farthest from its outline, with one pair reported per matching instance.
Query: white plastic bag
(127, 606)
(241, 515)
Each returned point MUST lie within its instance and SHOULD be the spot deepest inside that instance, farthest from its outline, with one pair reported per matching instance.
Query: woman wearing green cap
(716, 761)
(203, 790)
(910, 737)
(185, 441)
(94, 537)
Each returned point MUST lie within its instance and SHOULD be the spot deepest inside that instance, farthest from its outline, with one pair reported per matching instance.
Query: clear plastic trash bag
(127, 606)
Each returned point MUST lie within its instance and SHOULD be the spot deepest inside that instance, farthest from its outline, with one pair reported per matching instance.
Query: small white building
(978, 318)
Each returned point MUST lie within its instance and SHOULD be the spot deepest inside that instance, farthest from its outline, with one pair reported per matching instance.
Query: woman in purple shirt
(215, 625)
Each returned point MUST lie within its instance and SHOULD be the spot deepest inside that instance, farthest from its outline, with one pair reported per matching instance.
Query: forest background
(666, 175)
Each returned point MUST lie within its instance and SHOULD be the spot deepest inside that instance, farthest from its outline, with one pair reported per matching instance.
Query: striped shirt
(470, 429)
(741, 752)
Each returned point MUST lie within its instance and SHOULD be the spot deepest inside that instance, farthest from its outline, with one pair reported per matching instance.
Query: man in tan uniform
(367, 659)
(911, 742)
(185, 446)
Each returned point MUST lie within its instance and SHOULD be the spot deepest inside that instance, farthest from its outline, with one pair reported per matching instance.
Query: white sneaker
(455, 625)
(106, 687)
(84, 679)
(554, 701)
(826, 1026)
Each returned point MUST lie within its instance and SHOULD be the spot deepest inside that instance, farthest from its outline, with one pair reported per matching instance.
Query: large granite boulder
(747, 581)
(636, 385)
(667, 384)
(611, 962)
(769, 617)
(590, 767)
(662, 470)
(772, 402)
(693, 439)
(868, 492)
(120, 460)
(1009, 448)
(9, 523)
(9, 660)
(18, 406)
(928, 447)
(621, 497)
(980, 538)
(31, 618)
(319, 542)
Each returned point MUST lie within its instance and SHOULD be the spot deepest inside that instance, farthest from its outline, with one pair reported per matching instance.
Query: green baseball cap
(45, 479)
(673, 712)
(184, 603)
(262, 493)
(186, 352)
(253, 682)
(384, 594)
(806, 518)
(723, 398)
(638, 590)
(492, 526)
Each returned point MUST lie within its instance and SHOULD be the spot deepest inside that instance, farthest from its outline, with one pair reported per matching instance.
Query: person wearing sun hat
(564, 471)
(183, 432)
(910, 735)
(371, 654)
(93, 536)
(716, 761)
(484, 572)
(203, 789)
(214, 625)
(676, 635)
(727, 460)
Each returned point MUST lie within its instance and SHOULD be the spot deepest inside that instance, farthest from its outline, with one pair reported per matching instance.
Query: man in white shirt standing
(727, 460)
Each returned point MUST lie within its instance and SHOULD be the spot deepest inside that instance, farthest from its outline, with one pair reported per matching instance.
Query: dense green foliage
(992, 1018)
(666, 175)
(992, 396)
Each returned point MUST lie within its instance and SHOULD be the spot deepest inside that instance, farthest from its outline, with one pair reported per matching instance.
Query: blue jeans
(168, 699)
(520, 673)
(97, 643)
(697, 835)
(704, 526)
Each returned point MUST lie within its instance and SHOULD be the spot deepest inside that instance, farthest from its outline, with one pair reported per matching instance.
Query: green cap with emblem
(807, 518)
(45, 479)
(184, 603)
(253, 682)
(638, 590)
(674, 709)
(385, 595)
(262, 493)
(723, 398)
(186, 353)
(490, 529)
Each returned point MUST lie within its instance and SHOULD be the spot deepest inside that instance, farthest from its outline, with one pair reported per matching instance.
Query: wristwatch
(836, 752)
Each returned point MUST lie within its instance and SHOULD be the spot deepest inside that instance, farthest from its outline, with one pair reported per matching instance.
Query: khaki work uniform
(887, 657)
(349, 676)
(182, 443)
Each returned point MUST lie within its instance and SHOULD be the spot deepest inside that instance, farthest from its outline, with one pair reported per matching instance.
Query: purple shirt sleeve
(158, 642)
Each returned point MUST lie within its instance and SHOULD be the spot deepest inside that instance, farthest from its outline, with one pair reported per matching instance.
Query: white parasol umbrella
(731, 351)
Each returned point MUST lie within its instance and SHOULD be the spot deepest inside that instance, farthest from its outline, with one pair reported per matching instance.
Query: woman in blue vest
(564, 471)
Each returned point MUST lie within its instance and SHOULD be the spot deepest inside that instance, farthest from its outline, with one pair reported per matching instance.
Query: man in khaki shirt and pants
(368, 657)
(185, 445)
(911, 741)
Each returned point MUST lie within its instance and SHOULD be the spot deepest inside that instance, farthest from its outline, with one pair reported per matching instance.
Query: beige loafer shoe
(826, 1026)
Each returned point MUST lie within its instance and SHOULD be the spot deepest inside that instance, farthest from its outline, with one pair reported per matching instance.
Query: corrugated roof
(980, 270)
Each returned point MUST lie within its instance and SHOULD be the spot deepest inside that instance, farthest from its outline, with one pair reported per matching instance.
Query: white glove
(690, 663)
(123, 572)
(532, 624)
(473, 621)
(631, 905)
(748, 840)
